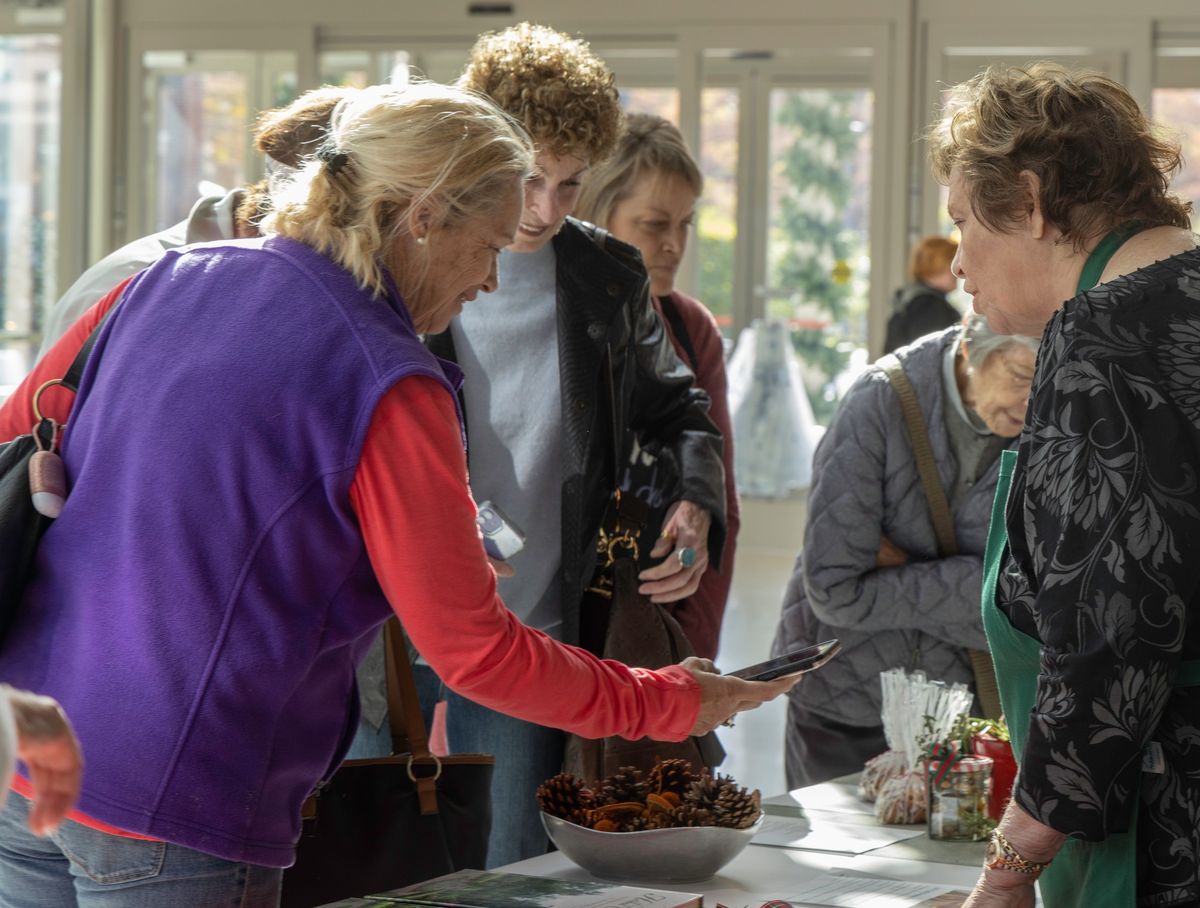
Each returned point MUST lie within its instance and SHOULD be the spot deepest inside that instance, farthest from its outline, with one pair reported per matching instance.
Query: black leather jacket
(604, 308)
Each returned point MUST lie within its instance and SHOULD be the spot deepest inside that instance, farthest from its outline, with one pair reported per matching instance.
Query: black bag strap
(679, 328)
(410, 737)
(70, 381)
(918, 435)
(943, 522)
(75, 373)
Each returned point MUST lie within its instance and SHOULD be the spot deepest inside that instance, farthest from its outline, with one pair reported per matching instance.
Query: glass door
(30, 73)
(784, 230)
(818, 243)
(199, 107)
(1176, 106)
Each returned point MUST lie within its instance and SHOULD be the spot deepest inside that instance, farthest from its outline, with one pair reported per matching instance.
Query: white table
(761, 873)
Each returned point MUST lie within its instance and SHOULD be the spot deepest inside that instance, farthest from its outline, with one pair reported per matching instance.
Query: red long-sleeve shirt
(413, 503)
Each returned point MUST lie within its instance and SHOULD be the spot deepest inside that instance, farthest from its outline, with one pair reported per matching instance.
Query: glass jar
(958, 798)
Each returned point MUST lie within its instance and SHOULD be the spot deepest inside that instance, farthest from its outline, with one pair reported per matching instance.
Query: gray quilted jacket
(923, 614)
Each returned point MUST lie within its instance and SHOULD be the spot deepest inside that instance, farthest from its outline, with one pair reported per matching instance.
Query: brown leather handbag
(642, 634)
(617, 622)
(385, 823)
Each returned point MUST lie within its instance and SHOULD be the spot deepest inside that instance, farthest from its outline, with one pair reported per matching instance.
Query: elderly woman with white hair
(871, 572)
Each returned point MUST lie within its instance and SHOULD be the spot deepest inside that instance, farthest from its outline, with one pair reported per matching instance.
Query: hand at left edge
(46, 744)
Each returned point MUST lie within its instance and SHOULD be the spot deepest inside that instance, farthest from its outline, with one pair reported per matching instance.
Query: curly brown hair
(554, 84)
(1098, 158)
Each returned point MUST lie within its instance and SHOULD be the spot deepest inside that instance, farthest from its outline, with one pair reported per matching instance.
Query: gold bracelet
(1001, 855)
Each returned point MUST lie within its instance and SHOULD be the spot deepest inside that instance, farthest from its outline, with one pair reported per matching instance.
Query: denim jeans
(80, 866)
(526, 755)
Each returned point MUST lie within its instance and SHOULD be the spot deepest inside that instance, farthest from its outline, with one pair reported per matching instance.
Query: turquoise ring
(686, 556)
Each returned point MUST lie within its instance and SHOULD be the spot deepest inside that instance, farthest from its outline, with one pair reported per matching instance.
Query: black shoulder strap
(75, 373)
(679, 328)
(70, 381)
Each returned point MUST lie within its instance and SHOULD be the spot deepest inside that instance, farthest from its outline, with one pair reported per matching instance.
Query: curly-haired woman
(566, 354)
(1059, 186)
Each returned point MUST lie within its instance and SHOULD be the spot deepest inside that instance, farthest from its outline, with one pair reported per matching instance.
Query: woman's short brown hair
(561, 92)
(1098, 158)
(287, 136)
(931, 257)
(648, 145)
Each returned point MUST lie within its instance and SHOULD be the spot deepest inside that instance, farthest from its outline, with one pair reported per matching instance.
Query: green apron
(1083, 873)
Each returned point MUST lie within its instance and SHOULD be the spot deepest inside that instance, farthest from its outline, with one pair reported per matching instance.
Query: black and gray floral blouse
(1104, 570)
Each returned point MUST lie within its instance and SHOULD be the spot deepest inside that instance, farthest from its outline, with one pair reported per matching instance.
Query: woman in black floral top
(1059, 187)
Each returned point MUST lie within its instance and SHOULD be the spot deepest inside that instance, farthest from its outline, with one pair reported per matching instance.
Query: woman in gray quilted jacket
(869, 572)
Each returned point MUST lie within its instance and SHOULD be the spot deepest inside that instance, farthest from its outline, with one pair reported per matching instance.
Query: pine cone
(626, 784)
(735, 807)
(564, 796)
(687, 815)
(658, 820)
(702, 792)
(671, 775)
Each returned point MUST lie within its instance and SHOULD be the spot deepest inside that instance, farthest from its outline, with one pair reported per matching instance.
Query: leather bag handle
(410, 737)
(943, 522)
(918, 436)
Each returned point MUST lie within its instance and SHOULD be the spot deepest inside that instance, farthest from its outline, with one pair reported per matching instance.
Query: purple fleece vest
(200, 606)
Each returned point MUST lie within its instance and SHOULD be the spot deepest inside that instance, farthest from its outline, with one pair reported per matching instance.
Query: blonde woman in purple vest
(264, 464)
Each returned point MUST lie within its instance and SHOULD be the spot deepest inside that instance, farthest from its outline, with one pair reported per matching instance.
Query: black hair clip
(333, 160)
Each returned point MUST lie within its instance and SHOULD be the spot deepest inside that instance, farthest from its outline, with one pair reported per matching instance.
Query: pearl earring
(420, 241)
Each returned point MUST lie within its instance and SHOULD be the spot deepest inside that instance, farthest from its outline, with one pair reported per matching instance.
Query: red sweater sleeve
(16, 415)
(701, 614)
(418, 520)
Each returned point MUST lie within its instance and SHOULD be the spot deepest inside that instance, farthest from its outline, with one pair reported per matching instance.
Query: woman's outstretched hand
(723, 696)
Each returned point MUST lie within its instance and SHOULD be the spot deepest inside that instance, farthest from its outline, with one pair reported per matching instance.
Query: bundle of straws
(918, 712)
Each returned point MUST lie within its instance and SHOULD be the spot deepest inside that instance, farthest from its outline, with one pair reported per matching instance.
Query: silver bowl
(683, 855)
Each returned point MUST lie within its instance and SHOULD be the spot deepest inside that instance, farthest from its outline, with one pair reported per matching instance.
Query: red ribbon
(948, 755)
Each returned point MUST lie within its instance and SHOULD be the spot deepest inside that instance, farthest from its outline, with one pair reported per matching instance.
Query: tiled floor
(769, 541)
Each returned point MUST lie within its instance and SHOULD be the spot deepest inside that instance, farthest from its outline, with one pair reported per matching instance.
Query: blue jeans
(79, 866)
(526, 755)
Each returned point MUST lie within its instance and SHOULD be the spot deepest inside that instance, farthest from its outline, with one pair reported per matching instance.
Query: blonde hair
(648, 145)
(931, 257)
(1098, 158)
(562, 93)
(390, 151)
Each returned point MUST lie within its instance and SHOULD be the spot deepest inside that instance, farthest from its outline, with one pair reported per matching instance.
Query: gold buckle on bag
(610, 545)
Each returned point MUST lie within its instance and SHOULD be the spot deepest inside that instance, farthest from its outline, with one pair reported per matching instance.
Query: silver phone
(501, 537)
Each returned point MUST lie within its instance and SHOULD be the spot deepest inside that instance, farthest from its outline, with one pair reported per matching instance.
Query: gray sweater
(924, 614)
